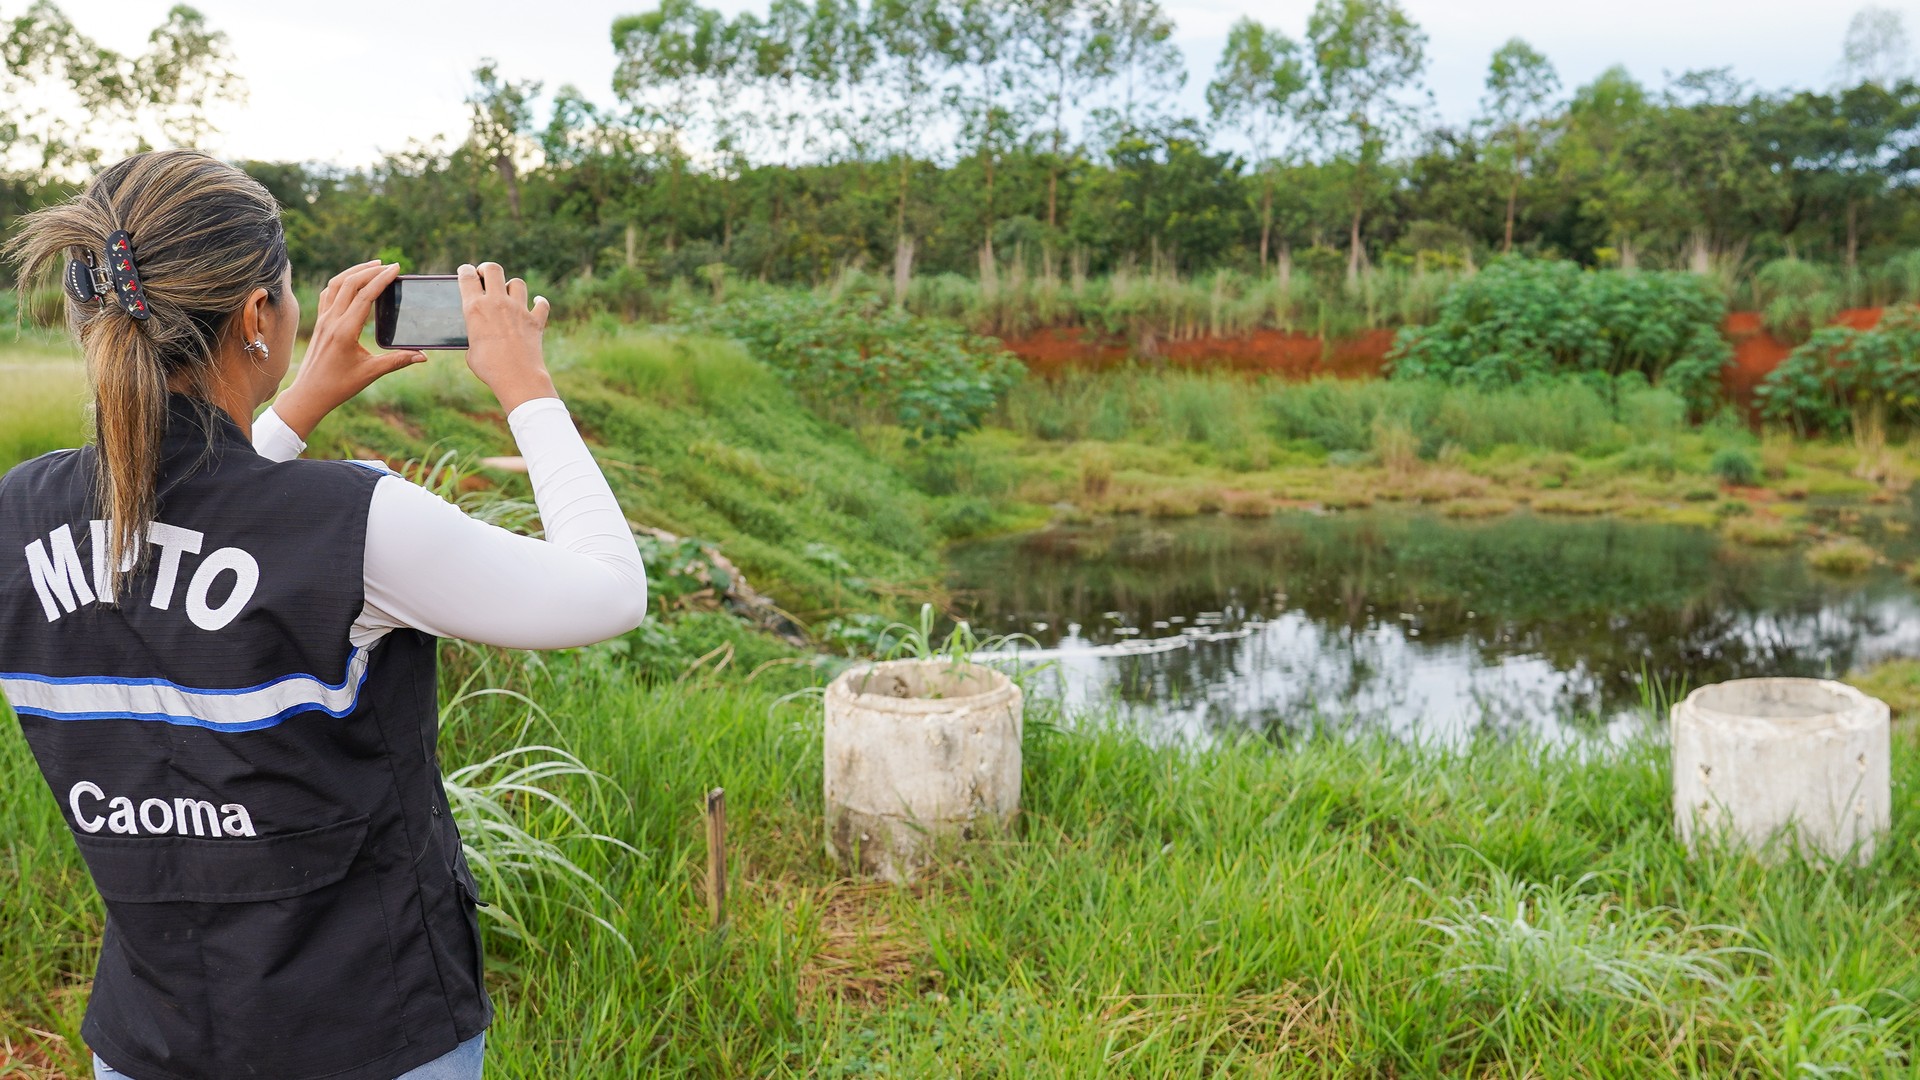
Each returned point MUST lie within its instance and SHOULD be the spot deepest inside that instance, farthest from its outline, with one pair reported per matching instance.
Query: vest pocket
(173, 869)
(266, 957)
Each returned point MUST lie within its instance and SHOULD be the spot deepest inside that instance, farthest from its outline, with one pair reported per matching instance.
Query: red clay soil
(1756, 352)
(1300, 356)
(1271, 352)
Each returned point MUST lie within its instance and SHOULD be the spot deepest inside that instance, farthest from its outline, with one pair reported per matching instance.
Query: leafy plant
(916, 641)
(958, 648)
(859, 356)
(1735, 466)
(680, 568)
(1521, 319)
(1844, 379)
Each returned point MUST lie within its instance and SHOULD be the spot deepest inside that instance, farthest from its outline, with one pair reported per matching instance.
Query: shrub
(627, 293)
(1521, 319)
(1844, 379)
(1794, 298)
(1735, 466)
(963, 517)
(1842, 555)
(1757, 531)
(846, 357)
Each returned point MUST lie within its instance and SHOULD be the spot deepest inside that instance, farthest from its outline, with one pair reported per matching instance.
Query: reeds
(1146, 307)
(1421, 417)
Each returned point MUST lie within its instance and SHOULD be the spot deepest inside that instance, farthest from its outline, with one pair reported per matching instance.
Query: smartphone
(420, 311)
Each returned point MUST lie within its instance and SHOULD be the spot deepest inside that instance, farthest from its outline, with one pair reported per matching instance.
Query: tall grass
(1791, 293)
(1144, 307)
(1158, 405)
(1330, 907)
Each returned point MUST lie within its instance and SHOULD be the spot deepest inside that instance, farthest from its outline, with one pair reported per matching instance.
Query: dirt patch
(864, 955)
(1058, 349)
(399, 421)
(1267, 352)
(30, 1059)
(1756, 352)
(1289, 1024)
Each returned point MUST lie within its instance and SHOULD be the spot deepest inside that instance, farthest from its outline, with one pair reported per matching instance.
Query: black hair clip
(126, 280)
(87, 283)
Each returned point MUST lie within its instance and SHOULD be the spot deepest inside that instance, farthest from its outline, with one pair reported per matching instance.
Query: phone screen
(424, 313)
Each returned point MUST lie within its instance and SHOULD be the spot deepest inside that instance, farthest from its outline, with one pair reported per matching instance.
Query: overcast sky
(344, 80)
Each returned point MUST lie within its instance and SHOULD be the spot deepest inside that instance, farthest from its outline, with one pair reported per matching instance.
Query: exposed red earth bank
(1273, 352)
(1303, 356)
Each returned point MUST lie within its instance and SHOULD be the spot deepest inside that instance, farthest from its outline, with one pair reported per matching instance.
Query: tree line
(971, 136)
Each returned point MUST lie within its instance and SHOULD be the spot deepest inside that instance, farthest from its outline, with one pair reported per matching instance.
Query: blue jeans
(462, 1063)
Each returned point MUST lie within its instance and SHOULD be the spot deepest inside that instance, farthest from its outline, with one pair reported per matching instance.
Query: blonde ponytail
(205, 235)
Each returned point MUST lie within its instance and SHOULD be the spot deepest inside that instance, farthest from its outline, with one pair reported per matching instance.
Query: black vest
(259, 802)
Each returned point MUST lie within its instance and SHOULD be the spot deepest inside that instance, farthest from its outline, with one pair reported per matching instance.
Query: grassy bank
(1328, 908)
(43, 407)
(701, 440)
(1171, 444)
(1322, 908)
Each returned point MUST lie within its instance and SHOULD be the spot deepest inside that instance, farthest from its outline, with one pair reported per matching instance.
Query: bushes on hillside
(854, 357)
(1795, 296)
(1844, 378)
(1520, 319)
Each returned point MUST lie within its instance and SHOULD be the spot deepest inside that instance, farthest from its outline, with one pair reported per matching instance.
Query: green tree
(1603, 121)
(1132, 52)
(912, 39)
(987, 50)
(1698, 175)
(1060, 38)
(1261, 83)
(1876, 49)
(1841, 154)
(72, 102)
(1367, 54)
(501, 116)
(1520, 87)
(1166, 195)
(662, 58)
(595, 165)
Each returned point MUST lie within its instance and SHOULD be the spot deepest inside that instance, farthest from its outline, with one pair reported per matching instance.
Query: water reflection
(1413, 623)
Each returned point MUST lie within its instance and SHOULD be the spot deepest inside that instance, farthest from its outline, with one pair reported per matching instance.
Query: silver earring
(256, 345)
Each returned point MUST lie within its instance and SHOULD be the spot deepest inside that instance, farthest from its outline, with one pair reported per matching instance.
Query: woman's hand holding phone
(503, 335)
(337, 366)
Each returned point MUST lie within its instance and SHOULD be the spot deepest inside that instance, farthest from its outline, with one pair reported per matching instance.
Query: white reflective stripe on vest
(245, 709)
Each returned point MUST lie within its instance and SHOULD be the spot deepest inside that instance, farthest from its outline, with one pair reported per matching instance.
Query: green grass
(1843, 555)
(1327, 908)
(1896, 682)
(698, 439)
(1156, 404)
(42, 408)
(1330, 907)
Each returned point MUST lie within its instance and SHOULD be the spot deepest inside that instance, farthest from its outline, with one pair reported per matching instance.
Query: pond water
(1419, 625)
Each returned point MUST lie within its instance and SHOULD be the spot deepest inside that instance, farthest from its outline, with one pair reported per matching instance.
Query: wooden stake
(716, 814)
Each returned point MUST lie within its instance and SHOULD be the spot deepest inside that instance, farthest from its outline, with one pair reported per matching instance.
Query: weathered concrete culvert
(1753, 755)
(917, 751)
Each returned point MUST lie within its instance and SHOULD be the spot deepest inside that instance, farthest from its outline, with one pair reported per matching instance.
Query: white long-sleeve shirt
(432, 568)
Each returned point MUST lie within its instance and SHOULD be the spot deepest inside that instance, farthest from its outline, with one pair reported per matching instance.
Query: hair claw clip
(85, 282)
(125, 279)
